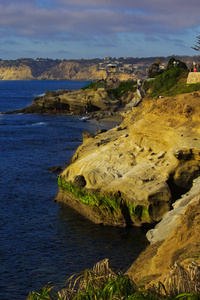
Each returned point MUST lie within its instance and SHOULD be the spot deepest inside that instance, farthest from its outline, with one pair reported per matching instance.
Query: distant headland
(125, 68)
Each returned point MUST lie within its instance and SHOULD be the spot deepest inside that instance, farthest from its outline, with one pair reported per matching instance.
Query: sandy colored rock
(182, 245)
(154, 151)
(172, 218)
(15, 73)
(75, 71)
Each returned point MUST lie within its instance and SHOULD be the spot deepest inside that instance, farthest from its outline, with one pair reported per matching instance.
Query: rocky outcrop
(150, 161)
(182, 245)
(171, 219)
(146, 162)
(77, 102)
(73, 71)
(90, 103)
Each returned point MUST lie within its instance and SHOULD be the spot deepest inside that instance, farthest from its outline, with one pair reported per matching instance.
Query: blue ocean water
(41, 240)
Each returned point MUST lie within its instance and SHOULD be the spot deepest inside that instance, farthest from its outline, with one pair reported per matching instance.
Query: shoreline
(108, 123)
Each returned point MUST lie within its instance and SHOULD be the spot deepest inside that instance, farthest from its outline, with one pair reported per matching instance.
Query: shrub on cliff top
(174, 63)
(124, 87)
(172, 81)
(166, 84)
(91, 86)
(115, 93)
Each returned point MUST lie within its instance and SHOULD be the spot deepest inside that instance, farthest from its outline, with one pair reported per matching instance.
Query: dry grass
(182, 280)
(96, 277)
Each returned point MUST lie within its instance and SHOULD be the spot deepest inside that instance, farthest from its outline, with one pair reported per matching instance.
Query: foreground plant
(102, 283)
(45, 293)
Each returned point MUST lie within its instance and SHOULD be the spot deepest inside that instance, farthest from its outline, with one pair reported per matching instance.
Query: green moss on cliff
(107, 204)
(139, 212)
(91, 198)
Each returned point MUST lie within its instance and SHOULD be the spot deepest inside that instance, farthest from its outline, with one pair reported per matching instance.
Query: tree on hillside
(197, 45)
(154, 70)
(176, 63)
(159, 61)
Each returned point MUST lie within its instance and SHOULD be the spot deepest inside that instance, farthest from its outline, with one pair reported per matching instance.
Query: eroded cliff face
(181, 244)
(65, 70)
(146, 163)
(16, 73)
(81, 102)
(77, 71)
(73, 71)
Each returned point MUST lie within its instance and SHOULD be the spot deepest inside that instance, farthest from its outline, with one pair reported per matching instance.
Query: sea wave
(39, 124)
(24, 125)
(40, 95)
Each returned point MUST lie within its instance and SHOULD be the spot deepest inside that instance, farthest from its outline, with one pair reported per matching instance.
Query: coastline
(108, 123)
(154, 161)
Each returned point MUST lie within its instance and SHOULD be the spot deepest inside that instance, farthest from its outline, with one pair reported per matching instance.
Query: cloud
(10, 42)
(97, 17)
(98, 22)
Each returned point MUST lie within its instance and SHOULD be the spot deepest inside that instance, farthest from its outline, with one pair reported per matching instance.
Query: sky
(75, 29)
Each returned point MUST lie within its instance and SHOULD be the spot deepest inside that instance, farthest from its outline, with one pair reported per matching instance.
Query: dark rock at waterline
(100, 131)
(87, 135)
(55, 169)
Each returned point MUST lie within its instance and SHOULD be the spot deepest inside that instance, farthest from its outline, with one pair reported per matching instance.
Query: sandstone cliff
(147, 162)
(180, 244)
(15, 73)
(152, 160)
(53, 70)
(91, 102)
(79, 69)
(73, 71)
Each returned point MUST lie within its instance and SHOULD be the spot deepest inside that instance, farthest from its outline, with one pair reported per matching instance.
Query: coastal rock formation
(28, 69)
(16, 73)
(73, 102)
(151, 160)
(91, 103)
(73, 71)
(182, 244)
(171, 219)
(146, 163)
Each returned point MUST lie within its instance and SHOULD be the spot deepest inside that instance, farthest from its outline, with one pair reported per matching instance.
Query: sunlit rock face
(148, 161)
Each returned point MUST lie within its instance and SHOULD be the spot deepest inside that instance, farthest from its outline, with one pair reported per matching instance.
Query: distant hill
(80, 69)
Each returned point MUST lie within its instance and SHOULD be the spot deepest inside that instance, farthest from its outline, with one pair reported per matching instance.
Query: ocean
(41, 240)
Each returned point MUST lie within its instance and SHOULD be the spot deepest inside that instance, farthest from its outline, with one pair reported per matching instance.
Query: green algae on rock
(105, 209)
